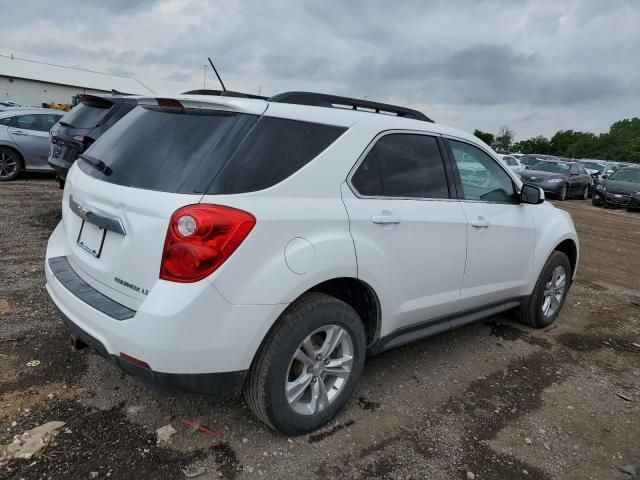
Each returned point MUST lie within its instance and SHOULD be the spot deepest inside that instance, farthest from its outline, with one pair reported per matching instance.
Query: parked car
(530, 160)
(512, 163)
(562, 179)
(217, 244)
(620, 189)
(82, 126)
(24, 140)
(595, 168)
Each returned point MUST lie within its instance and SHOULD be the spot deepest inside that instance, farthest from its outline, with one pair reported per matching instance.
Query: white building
(34, 82)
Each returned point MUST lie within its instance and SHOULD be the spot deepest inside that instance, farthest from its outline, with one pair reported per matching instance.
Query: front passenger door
(31, 135)
(500, 231)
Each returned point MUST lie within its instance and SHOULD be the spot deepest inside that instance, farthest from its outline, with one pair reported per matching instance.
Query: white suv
(217, 245)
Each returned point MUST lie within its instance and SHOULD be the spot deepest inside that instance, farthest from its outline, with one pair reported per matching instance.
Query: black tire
(264, 389)
(532, 314)
(595, 203)
(11, 164)
(563, 193)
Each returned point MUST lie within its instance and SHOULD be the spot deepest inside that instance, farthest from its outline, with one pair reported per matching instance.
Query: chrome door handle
(385, 219)
(480, 222)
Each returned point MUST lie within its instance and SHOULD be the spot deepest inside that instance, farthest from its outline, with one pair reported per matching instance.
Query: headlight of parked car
(600, 187)
(555, 180)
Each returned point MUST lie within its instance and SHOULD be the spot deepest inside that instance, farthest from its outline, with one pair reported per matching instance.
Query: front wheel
(308, 366)
(10, 164)
(563, 193)
(585, 194)
(549, 294)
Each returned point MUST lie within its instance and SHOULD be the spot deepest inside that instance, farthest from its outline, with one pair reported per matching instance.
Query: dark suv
(82, 126)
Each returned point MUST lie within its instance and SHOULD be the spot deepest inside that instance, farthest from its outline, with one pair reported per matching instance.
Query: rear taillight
(83, 140)
(200, 238)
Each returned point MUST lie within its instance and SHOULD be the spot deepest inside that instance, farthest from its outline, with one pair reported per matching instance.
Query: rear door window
(404, 166)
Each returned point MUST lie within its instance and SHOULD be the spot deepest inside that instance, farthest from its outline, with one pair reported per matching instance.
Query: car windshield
(553, 167)
(626, 175)
(593, 166)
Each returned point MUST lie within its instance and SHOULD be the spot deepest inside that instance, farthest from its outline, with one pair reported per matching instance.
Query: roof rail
(223, 93)
(335, 101)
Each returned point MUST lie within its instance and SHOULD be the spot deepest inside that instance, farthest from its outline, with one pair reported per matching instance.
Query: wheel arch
(354, 292)
(570, 249)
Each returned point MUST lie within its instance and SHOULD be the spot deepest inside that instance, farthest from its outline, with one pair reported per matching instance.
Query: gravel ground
(495, 400)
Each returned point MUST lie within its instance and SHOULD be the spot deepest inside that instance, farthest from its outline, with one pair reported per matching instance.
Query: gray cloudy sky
(537, 66)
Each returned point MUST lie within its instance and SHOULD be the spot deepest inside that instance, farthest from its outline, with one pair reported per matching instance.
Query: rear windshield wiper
(97, 164)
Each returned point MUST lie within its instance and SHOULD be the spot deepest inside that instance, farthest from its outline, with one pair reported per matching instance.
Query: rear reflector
(134, 361)
(200, 238)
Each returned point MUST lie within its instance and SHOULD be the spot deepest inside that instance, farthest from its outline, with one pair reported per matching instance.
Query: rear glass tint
(171, 151)
(85, 116)
(197, 151)
(275, 149)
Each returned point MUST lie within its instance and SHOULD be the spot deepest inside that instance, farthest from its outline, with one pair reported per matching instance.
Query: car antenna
(217, 75)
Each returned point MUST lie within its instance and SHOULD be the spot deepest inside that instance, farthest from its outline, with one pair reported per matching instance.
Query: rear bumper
(60, 166)
(191, 337)
(222, 385)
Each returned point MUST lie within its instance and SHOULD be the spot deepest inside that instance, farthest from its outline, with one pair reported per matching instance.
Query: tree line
(621, 142)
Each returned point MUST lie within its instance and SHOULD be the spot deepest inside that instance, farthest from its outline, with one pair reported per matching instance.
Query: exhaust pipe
(76, 344)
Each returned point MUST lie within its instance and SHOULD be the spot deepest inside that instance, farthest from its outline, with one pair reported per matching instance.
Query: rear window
(197, 151)
(85, 116)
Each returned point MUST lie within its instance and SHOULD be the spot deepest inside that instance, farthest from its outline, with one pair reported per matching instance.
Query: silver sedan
(24, 140)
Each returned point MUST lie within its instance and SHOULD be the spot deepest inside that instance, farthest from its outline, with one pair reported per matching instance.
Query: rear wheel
(10, 164)
(549, 294)
(308, 366)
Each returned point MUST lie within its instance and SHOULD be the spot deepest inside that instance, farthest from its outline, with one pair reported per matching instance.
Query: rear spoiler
(95, 101)
(225, 104)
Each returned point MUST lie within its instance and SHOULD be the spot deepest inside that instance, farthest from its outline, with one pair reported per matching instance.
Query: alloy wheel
(563, 192)
(319, 370)
(8, 164)
(554, 291)
(586, 192)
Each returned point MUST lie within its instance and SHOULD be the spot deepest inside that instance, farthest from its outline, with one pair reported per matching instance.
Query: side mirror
(604, 176)
(531, 194)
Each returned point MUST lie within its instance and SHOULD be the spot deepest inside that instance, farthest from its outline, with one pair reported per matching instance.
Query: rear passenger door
(408, 229)
(501, 233)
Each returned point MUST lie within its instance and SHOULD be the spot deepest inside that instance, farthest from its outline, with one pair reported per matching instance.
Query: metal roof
(17, 67)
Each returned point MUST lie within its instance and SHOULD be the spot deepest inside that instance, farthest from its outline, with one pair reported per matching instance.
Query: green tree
(539, 144)
(621, 142)
(504, 138)
(484, 136)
